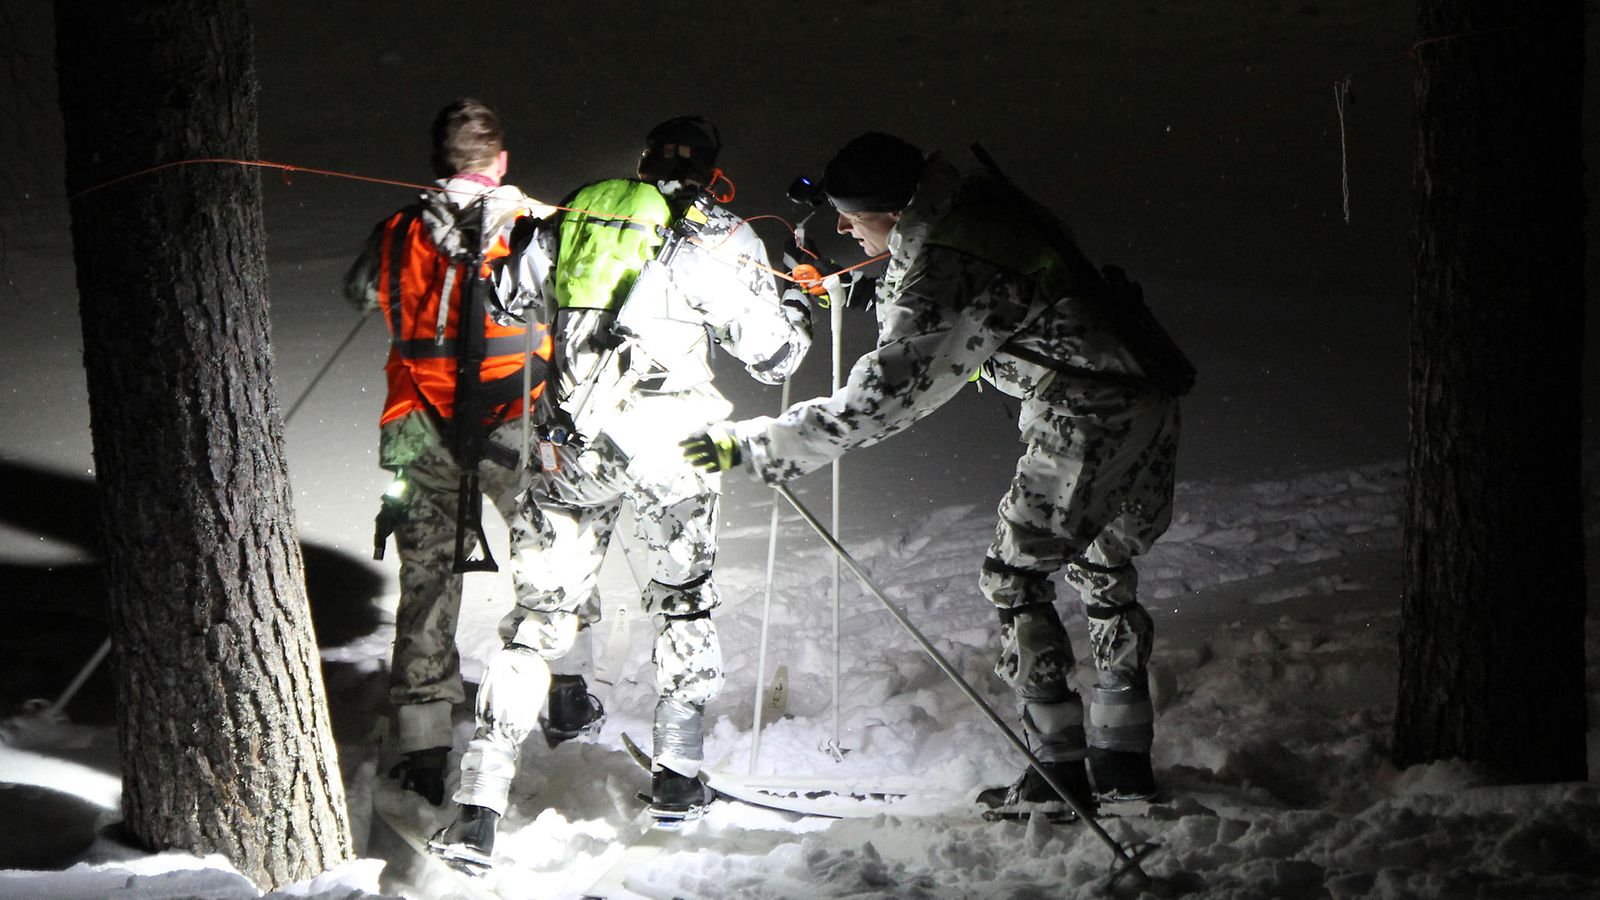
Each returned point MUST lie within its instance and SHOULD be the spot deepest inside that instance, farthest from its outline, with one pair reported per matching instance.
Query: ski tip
(635, 752)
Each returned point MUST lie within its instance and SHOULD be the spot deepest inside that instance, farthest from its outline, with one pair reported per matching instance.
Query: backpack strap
(396, 251)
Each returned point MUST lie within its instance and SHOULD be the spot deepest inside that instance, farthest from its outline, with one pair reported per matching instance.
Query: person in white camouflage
(628, 420)
(981, 282)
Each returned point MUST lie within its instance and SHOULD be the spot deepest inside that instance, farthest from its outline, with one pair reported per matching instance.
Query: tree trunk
(222, 721)
(1491, 642)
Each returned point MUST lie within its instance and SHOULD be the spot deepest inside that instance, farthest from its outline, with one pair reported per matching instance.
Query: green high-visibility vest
(614, 228)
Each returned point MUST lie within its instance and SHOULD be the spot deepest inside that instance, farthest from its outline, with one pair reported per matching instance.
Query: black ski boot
(570, 710)
(675, 797)
(1121, 775)
(422, 771)
(1032, 793)
(469, 840)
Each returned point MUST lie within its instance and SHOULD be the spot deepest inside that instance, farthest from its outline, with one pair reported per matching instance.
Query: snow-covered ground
(1277, 608)
(1275, 593)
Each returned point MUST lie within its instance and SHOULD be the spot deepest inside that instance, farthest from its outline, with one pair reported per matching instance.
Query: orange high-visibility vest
(421, 291)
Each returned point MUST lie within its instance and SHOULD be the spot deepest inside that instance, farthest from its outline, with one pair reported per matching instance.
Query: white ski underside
(835, 798)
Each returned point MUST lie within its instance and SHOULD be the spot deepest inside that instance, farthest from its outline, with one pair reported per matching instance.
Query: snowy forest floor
(1277, 608)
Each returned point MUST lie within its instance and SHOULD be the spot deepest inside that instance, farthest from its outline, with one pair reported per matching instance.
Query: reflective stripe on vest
(423, 327)
(500, 345)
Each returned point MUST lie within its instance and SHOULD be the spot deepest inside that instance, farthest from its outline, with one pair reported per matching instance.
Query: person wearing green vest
(638, 278)
(981, 280)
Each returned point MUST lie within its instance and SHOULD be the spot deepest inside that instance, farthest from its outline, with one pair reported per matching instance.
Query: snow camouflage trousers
(1089, 495)
(425, 669)
(569, 520)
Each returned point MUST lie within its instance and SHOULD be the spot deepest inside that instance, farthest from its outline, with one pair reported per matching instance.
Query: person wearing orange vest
(417, 270)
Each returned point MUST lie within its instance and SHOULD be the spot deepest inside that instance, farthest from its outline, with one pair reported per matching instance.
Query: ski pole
(55, 710)
(1130, 861)
(766, 613)
(334, 357)
(836, 321)
(100, 655)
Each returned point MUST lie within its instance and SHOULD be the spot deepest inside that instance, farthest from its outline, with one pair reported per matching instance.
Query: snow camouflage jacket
(416, 382)
(717, 289)
(944, 314)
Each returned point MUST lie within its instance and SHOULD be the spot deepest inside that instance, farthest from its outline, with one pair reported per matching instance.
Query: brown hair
(466, 137)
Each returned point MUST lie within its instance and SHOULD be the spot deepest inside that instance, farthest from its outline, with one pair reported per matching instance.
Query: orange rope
(720, 178)
(286, 168)
(1412, 53)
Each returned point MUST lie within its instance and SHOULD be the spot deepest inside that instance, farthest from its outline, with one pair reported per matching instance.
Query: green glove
(715, 450)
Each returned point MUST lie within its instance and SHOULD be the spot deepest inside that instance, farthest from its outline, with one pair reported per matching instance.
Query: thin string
(1341, 99)
(1341, 95)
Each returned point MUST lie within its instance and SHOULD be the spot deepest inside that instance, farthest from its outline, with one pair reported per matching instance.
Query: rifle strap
(470, 405)
(1118, 300)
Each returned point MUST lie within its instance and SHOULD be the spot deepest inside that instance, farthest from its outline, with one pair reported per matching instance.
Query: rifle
(467, 430)
(1120, 300)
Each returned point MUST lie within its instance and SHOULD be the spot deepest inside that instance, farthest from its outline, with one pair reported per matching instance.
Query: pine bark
(222, 721)
(1492, 627)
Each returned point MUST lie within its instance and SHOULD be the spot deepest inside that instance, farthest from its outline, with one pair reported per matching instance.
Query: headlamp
(807, 192)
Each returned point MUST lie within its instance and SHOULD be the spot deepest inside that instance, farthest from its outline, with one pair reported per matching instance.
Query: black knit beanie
(876, 172)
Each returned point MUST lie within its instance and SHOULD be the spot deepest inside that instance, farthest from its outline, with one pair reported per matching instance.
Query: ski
(1053, 814)
(640, 758)
(840, 798)
(832, 798)
(641, 842)
(823, 797)
(464, 875)
(665, 819)
(644, 840)
(1060, 814)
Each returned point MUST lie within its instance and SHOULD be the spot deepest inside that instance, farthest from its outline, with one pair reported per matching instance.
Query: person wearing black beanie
(982, 282)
